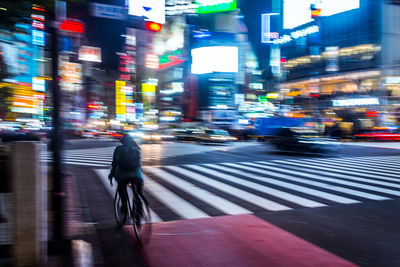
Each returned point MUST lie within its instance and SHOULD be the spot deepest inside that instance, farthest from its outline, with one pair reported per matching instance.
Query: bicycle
(140, 218)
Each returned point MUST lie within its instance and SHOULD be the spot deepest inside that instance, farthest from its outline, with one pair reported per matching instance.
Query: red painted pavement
(243, 240)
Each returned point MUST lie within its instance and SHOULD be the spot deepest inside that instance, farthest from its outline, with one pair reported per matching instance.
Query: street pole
(56, 142)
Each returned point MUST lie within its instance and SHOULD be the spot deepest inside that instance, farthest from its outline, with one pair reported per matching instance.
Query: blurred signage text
(151, 10)
(297, 34)
(355, 102)
(90, 53)
(107, 11)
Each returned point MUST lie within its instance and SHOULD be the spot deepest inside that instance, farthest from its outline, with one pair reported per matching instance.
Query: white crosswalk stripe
(222, 204)
(363, 166)
(195, 191)
(102, 157)
(329, 171)
(341, 169)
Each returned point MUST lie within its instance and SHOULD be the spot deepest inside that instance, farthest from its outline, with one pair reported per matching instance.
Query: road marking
(180, 206)
(333, 180)
(343, 169)
(294, 187)
(238, 193)
(363, 166)
(258, 187)
(329, 171)
(313, 183)
(213, 200)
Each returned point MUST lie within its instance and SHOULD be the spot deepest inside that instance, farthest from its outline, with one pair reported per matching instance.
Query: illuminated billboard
(211, 6)
(70, 76)
(90, 53)
(149, 92)
(120, 99)
(214, 59)
(296, 13)
(151, 10)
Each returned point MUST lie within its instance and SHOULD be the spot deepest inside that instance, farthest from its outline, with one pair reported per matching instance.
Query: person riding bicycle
(126, 168)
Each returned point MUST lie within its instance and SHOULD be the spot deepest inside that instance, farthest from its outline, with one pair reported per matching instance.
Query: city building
(341, 62)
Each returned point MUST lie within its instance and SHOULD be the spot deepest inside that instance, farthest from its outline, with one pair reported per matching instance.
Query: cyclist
(126, 168)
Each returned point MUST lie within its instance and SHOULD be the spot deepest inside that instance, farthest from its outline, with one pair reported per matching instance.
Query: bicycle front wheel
(142, 223)
(120, 214)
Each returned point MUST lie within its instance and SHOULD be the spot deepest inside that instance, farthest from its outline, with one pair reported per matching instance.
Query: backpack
(129, 158)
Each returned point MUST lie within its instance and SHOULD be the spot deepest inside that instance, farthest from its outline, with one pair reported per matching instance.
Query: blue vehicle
(270, 127)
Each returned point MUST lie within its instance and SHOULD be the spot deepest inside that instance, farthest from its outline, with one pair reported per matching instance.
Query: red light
(93, 106)
(153, 26)
(283, 60)
(314, 95)
(71, 26)
(372, 114)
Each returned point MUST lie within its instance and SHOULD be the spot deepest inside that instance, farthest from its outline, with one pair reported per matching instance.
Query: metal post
(56, 144)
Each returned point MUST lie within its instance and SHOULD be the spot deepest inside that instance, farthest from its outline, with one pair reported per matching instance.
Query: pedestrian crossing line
(290, 186)
(103, 176)
(358, 160)
(356, 165)
(309, 182)
(343, 174)
(70, 160)
(330, 171)
(79, 163)
(341, 166)
(181, 207)
(258, 187)
(392, 163)
(231, 190)
(103, 158)
(335, 180)
(213, 200)
(391, 160)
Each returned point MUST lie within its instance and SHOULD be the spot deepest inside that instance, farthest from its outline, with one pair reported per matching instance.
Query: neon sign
(211, 6)
(171, 59)
(266, 35)
(355, 102)
(297, 34)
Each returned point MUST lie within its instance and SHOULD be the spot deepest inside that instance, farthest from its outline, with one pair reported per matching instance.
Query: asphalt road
(366, 233)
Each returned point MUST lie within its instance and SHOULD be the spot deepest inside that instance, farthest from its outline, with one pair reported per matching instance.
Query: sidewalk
(81, 244)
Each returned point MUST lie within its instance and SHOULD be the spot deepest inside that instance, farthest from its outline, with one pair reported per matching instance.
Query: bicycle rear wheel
(120, 215)
(142, 224)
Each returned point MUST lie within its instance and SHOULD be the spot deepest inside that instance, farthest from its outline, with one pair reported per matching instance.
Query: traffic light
(139, 23)
(153, 26)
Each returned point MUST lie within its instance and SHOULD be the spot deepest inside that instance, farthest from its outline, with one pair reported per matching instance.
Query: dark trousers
(138, 183)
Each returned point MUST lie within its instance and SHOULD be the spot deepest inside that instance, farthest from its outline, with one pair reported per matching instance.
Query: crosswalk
(102, 157)
(205, 190)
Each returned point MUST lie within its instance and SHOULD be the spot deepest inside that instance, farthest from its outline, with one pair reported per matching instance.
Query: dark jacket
(116, 172)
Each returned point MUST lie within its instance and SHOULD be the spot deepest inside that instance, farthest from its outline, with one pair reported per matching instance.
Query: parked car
(303, 140)
(216, 136)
